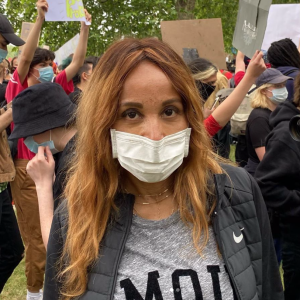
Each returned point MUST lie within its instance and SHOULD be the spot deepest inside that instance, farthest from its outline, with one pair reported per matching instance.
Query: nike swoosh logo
(238, 239)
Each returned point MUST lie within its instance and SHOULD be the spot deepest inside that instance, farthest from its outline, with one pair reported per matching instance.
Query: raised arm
(29, 48)
(239, 63)
(80, 51)
(228, 107)
(41, 170)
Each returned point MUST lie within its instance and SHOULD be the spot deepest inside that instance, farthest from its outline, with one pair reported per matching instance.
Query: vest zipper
(220, 244)
(127, 230)
(225, 258)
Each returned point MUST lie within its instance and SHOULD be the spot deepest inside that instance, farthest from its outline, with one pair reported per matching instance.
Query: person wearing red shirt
(35, 66)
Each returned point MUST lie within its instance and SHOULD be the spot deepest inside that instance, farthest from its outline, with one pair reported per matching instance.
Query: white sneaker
(34, 296)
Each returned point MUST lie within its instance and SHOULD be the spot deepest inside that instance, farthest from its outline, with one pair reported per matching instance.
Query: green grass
(232, 153)
(15, 288)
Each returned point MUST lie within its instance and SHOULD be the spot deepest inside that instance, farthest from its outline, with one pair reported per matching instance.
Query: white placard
(66, 10)
(67, 49)
(283, 22)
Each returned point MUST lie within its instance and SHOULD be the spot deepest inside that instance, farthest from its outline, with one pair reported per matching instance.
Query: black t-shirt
(74, 97)
(257, 130)
(62, 160)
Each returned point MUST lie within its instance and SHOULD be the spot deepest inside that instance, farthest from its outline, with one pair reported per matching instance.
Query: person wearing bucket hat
(44, 115)
(12, 249)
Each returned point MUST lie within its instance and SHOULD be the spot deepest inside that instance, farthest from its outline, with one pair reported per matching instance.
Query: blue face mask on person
(46, 74)
(279, 95)
(33, 146)
(3, 54)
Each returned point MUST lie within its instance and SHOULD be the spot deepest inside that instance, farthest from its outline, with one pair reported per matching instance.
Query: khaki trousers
(25, 198)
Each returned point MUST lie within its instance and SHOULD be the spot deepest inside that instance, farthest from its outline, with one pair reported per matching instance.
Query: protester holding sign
(35, 66)
(147, 196)
(209, 81)
(222, 114)
(11, 246)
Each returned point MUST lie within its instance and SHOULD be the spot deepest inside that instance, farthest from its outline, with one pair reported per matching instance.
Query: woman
(206, 78)
(222, 138)
(148, 210)
(205, 74)
(278, 178)
(209, 81)
(271, 91)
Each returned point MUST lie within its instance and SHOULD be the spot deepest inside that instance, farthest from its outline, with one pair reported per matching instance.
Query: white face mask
(279, 95)
(148, 160)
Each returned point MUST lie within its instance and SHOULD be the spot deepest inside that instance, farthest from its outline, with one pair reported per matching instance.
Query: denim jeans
(290, 232)
(11, 246)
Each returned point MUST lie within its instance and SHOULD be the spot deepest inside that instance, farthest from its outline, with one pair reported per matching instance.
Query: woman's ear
(264, 91)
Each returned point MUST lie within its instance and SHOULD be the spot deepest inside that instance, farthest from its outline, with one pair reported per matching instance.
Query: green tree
(113, 19)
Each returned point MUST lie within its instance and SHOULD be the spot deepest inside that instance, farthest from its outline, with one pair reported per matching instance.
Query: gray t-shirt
(160, 262)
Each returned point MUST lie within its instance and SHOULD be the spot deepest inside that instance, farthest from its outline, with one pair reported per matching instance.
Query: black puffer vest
(238, 233)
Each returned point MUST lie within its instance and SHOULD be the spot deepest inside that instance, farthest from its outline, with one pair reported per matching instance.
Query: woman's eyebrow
(140, 105)
(171, 101)
(132, 104)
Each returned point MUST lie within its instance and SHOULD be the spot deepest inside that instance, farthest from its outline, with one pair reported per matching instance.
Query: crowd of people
(118, 170)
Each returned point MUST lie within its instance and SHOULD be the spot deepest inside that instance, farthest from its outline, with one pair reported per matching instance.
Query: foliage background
(113, 19)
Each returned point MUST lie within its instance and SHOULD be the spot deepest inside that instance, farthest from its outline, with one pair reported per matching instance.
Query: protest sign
(65, 10)
(251, 25)
(283, 22)
(190, 38)
(67, 49)
(26, 28)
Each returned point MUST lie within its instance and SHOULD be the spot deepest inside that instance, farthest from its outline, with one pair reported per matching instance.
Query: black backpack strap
(252, 90)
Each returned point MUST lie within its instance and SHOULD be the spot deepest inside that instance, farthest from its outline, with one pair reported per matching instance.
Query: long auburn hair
(94, 178)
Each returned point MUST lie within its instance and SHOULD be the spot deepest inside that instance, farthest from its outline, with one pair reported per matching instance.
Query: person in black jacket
(146, 195)
(285, 57)
(278, 177)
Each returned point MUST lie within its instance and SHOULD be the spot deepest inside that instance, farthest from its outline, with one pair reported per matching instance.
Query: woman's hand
(41, 168)
(88, 18)
(42, 8)
(207, 112)
(256, 66)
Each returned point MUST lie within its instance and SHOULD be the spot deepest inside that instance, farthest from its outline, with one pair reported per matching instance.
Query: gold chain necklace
(135, 212)
(154, 195)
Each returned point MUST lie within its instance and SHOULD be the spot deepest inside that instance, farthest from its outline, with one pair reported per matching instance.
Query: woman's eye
(169, 112)
(132, 115)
